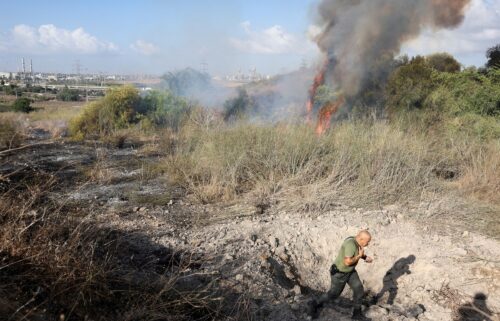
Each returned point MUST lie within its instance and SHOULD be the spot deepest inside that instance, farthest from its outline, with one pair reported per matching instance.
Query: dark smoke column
(356, 32)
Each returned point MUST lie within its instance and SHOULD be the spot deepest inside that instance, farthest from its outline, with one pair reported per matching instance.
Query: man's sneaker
(312, 309)
(357, 315)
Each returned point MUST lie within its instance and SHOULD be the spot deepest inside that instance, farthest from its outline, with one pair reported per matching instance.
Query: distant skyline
(153, 37)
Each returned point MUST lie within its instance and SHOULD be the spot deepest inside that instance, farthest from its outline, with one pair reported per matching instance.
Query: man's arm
(349, 261)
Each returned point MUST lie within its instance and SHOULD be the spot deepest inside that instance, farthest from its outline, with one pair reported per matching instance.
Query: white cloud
(145, 48)
(479, 31)
(273, 40)
(50, 39)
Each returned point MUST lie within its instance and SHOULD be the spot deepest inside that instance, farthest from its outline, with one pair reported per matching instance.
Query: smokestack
(31, 66)
(23, 66)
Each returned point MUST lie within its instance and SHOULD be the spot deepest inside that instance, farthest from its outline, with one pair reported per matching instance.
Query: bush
(164, 109)
(467, 101)
(67, 94)
(117, 110)
(409, 86)
(22, 105)
(123, 107)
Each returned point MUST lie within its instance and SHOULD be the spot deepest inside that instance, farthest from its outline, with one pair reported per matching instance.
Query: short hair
(364, 233)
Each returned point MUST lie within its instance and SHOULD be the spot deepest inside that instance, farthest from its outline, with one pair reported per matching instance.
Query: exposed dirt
(281, 259)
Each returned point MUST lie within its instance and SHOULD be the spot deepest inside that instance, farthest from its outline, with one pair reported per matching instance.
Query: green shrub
(409, 86)
(117, 110)
(164, 109)
(460, 102)
(22, 105)
(123, 107)
(67, 94)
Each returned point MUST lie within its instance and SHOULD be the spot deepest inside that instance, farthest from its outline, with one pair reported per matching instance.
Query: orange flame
(325, 114)
(319, 79)
(326, 111)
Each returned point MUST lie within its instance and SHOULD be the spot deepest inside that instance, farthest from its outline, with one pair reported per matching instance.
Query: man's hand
(369, 259)
(361, 252)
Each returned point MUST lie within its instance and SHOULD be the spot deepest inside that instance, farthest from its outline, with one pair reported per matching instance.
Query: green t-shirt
(349, 248)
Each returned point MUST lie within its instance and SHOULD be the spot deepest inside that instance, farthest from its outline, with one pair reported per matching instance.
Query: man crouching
(343, 272)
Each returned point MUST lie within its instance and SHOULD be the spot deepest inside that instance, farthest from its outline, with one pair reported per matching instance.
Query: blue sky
(157, 36)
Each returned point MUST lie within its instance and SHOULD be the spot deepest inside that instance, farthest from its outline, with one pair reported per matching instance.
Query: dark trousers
(339, 280)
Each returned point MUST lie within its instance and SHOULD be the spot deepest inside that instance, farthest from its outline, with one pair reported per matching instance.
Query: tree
(186, 82)
(493, 55)
(22, 105)
(409, 86)
(443, 62)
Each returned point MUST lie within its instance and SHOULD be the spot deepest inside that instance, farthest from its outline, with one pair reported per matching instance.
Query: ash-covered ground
(425, 267)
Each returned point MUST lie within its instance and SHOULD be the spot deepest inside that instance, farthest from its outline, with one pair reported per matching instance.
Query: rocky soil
(280, 260)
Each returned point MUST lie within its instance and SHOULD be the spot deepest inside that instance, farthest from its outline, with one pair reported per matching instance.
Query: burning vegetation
(355, 34)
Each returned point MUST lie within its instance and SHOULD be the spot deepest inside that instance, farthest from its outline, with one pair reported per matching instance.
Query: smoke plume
(355, 33)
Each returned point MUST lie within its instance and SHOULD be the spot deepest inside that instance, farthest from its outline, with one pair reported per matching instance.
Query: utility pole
(86, 87)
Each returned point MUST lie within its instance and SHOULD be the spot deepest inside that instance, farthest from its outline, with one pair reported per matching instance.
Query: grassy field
(55, 110)
(358, 162)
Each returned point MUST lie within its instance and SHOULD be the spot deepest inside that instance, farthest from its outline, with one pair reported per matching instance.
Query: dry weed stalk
(462, 304)
(55, 265)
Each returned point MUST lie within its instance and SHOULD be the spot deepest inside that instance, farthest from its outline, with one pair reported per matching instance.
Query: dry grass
(11, 131)
(55, 110)
(55, 266)
(355, 162)
(480, 171)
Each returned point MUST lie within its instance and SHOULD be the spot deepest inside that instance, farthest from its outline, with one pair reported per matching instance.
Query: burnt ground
(276, 260)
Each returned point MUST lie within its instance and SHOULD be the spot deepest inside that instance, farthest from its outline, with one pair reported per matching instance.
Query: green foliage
(461, 102)
(409, 86)
(22, 105)
(187, 81)
(235, 108)
(443, 62)
(466, 92)
(123, 107)
(474, 125)
(493, 55)
(10, 90)
(165, 109)
(117, 110)
(67, 94)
